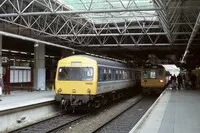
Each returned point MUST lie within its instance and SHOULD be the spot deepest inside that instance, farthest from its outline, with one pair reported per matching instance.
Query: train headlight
(161, 81)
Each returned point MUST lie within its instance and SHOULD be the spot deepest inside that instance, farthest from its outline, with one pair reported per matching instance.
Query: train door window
(104, 74)
(109, 74)
(114, 74)
(100, 74)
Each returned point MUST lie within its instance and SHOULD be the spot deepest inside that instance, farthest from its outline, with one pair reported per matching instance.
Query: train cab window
(149, 74)
(76, 73)
(86, 73)
(63, 73)
(153, 74)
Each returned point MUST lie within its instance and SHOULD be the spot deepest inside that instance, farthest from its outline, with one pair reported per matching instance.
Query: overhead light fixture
(36, 45)
(5, 50)
(13, 51)
(23, 52)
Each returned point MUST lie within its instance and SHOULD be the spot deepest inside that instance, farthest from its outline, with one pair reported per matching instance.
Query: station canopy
(125, 29)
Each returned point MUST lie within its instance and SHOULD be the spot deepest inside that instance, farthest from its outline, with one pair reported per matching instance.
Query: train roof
(102, 61)
(153, 66)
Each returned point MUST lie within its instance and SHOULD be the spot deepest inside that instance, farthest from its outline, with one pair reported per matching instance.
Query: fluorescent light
(23, 52)
(13, 51)
(5, 50)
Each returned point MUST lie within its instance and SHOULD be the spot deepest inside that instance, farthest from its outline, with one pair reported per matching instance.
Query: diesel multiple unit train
(83, 80)
(153, 79)
(90, 82)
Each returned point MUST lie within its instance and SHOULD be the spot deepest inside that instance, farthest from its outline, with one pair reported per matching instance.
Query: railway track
(126, 120)
(96, 120)
(51, 125)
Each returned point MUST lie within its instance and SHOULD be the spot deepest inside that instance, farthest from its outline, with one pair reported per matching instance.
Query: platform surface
(175, 111)
(24, 98)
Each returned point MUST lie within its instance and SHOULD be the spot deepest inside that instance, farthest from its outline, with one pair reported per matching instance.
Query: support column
(39, 67)
(1, 68)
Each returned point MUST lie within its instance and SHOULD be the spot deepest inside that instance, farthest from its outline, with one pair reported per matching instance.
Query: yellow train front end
(76, 81)
(153, 80)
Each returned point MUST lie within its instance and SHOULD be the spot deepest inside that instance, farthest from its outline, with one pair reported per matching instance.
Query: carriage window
(104, 75)
(125, 76)
(109, 74)
(120, 75)
(117, 75)
(113, 74)
(76, 73)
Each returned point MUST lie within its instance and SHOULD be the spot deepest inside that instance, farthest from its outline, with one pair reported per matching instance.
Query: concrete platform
(24, 98)
(175, 111)
(23, 108)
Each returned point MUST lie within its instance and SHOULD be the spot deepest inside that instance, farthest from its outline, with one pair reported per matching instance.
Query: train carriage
(153, 79)
(86, 80)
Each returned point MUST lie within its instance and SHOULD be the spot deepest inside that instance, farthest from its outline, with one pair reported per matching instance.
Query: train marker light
(161, 81)
(73, 90)
(59, 90)
(88, 90)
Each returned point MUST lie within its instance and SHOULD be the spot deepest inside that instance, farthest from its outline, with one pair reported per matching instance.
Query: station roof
(113, 17)
(133, 28)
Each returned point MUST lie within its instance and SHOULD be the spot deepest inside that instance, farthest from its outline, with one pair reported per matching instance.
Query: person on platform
(173, 81)
(1, 87)
(193, 80)
(180, 81)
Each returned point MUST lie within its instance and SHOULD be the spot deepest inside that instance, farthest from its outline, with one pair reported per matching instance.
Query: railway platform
(22, 108)
(175, 111)
(23, 98)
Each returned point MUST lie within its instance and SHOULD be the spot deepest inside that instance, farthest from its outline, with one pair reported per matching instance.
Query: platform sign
(19, 74)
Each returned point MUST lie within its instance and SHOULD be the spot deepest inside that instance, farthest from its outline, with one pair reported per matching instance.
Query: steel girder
(49, 18)
(192, 36)
(44, 19)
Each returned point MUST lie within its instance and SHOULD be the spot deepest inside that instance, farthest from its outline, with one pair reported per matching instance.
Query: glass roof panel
(113, 17)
